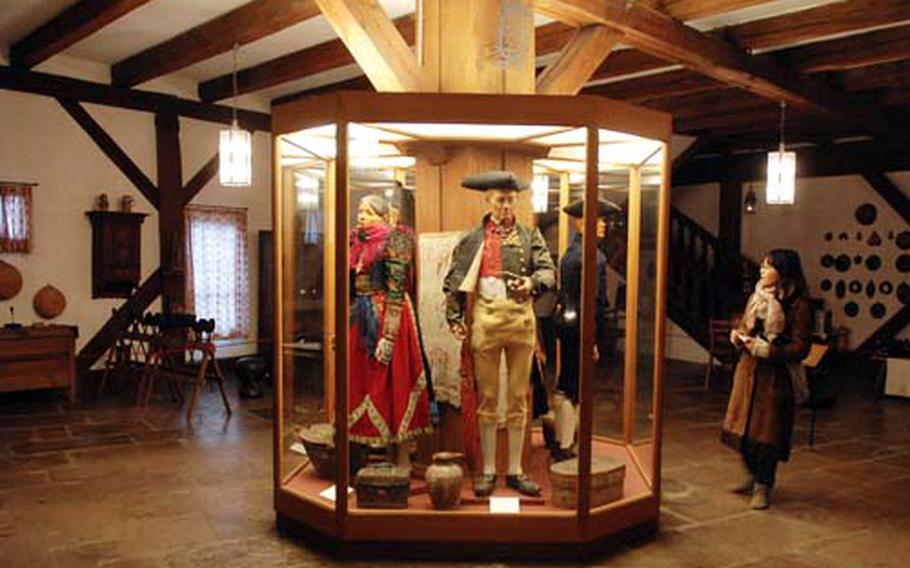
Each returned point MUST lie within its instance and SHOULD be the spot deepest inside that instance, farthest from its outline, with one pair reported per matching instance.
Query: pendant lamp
(781, 189)
(235, 147)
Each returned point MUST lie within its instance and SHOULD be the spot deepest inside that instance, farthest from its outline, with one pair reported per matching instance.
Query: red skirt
(387, 404)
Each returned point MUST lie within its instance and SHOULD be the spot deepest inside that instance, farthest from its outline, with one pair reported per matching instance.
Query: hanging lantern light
(781, 188)
(235, 147)
(750, 204)
(540, 189)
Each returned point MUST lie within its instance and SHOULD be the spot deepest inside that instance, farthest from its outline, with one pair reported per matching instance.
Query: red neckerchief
(366, 245)
(491, 261)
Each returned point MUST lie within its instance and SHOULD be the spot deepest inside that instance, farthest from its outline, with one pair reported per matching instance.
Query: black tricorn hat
(604, 208)
(494, 179)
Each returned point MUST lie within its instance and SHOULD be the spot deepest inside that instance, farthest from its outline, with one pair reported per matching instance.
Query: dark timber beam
(57, 86)
(834, 160)
(110, 148)
(888, 190)
(198, 181)
(897, 323)
(171, 221)
(873, 48)
(242, 25)
(662, 36)
(77, 22)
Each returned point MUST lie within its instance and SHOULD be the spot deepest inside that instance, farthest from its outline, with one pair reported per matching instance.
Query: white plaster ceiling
(159, 20)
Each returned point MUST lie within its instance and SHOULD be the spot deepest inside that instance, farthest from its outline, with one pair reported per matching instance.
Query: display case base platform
(540, 528)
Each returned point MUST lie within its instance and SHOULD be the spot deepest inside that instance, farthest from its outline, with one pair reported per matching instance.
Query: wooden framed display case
(329, 152)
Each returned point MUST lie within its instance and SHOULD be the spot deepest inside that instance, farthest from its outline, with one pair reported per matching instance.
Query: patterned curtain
(218, 268)
(15, 217)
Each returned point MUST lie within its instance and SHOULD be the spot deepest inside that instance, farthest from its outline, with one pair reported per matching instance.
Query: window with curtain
(15, 217)
(218, 269)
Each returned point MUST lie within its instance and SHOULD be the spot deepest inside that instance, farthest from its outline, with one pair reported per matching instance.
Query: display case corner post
(340, 343)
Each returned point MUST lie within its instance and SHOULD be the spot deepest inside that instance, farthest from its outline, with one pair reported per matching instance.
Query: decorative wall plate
(842, 263)
(873, 262)
(870, 289)
(10, 281)
(856, 287)
(827, 261)
(878, 310)
(903, 263)
(874, 239)
(826, 285)
(903, 293)
(49, 302)
(866, 214)
(885, 287)
(851, 309)
(829, 236)
(858, 259)
(859, 235)
(903, 240)
(840, 290)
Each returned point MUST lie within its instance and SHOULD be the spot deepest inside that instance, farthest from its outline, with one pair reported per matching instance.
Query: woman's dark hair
(788, 265)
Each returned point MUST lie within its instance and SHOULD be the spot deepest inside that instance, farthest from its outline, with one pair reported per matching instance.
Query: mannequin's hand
(459, 330)
(384, 350)
(596, 354)
(522, 287)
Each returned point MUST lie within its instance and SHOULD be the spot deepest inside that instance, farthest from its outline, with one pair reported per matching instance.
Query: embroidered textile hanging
(15, 217)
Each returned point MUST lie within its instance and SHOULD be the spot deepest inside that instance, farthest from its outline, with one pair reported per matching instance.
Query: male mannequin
(503, 264)
(565, 401)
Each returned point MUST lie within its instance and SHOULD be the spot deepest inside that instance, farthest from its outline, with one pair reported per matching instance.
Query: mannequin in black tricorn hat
(503, 264)
(568, 321)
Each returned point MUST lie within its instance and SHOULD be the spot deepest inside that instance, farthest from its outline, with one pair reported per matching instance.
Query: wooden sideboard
(40, 357)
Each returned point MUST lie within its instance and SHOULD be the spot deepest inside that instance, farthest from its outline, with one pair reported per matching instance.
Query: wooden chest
(382, 486)
(38, 358)
(607, 477)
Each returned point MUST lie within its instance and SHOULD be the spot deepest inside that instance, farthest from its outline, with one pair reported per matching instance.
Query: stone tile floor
(101, 485)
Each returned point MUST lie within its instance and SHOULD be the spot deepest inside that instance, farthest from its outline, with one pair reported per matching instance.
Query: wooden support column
(171, 219)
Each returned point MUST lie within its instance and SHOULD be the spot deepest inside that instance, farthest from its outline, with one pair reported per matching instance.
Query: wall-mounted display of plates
(878, 310)
(903, 263)
(873, 262)
(903, 240)
(842, 263)
(885, 288)
(826, 285)
(851, 309)
(856, 287)
(866, 213)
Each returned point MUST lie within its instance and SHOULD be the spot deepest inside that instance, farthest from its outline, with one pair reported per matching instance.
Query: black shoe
(523, 484)
(484, 485)
(549, 434)
(562, 454)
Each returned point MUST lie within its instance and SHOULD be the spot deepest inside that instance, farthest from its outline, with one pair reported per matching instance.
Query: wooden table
(41, 357)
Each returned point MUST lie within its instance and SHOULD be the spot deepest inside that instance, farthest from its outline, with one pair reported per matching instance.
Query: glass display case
(374, 420)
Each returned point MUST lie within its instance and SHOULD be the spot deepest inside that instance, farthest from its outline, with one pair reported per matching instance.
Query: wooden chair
(719, 346)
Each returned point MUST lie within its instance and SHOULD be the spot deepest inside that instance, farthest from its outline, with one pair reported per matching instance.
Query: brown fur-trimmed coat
(760, 412)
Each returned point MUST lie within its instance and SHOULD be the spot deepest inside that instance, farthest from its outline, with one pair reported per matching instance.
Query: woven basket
(10, 281)
(49, 302)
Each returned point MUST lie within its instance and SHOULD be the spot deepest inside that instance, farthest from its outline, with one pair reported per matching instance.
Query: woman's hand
(757, 346)
(736, 338)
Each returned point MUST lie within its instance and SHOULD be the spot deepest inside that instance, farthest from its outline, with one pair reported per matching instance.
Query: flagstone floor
(99, 484)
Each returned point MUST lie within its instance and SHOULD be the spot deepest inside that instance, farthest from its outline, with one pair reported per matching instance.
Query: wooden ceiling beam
(293, 66)
(658, 86)
(886, 75)
(577, 61)
(836, 159)
(375, 44)
(69, 26)
(242, 25)
(873, 48)
(685, 10)
(25, 81)
(827, 20)
(664, 37)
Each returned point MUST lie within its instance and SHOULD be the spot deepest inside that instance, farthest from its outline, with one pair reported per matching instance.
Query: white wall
(822, 205)
(42, 144)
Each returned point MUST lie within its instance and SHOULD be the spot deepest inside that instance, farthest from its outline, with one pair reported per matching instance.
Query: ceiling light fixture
(781, 188)
(235, 146)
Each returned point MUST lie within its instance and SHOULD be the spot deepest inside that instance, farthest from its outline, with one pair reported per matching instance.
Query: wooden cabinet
(116, 253)
(38, 358)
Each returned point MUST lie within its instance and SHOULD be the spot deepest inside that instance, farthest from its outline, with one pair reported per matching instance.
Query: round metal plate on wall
(866, 214)
(903, 240)
(856, 287)
(873, 262)
(878, 310)
(885, 288)
(870, 289)
(842, 263)
(903, 263)
(903, 293)
(827, 261)
(858, 259)
(851, 309)
(826, 285)
(841, 289)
